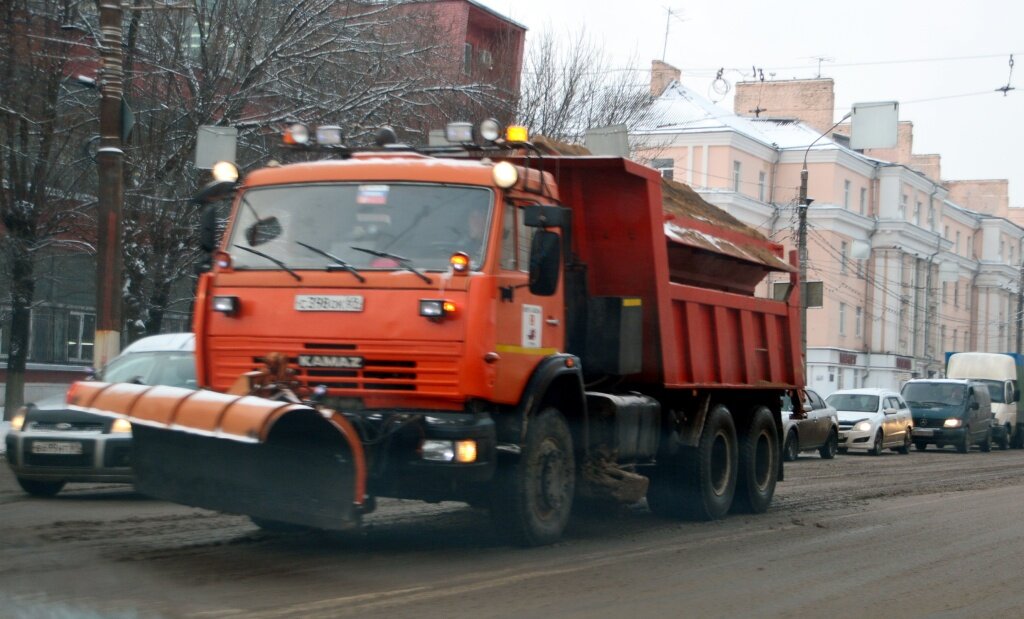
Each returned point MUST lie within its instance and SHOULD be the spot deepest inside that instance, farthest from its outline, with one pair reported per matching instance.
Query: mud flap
(312, 487)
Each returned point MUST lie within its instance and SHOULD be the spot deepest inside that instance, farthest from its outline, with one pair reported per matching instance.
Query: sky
(960, 53)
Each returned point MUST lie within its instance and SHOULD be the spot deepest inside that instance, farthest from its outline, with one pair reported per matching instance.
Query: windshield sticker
(372, 194)
(531, 326)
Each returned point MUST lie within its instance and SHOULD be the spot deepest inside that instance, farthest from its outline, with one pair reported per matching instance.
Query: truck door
(528, 327)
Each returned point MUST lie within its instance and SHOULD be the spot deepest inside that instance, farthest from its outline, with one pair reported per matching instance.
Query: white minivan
(998, 372)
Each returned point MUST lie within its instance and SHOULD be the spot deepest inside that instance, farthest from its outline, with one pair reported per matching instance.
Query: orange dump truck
(488, 323)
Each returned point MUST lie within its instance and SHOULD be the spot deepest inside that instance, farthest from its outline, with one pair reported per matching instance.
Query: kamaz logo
(330, 361)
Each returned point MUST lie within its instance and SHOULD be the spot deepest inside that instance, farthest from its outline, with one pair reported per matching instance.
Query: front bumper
(397, 468)
(856, 440)
(102, 457)
(947, 436)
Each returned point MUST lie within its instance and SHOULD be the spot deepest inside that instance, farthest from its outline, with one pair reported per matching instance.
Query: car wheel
(964, 445)
(986, 443)
(534, 496)
(758, 464)
(1004, 441)
(920, 446)
(876, 447)
(40, 488)
(828, 450)
(791, 450)
(905, 449)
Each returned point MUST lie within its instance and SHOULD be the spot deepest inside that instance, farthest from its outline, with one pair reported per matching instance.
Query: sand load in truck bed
(707, 246)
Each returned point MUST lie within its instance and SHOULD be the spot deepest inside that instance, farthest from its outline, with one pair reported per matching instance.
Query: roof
(163, 342)
(682, 110)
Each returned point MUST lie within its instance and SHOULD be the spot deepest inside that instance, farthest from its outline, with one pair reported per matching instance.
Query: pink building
(910, 266)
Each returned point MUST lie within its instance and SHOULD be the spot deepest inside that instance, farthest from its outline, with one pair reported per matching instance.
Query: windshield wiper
(402, 262)
(339, 264)
(272, 259)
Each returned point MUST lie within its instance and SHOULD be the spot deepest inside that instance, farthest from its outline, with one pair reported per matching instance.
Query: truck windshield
(995, 389)
(423, 223)
(934, 393)
(855, 402)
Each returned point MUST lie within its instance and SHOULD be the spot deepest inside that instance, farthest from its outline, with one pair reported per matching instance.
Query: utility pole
(110, 163)
(801, 240)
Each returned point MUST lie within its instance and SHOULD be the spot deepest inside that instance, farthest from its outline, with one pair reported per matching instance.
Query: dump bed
(694, 269)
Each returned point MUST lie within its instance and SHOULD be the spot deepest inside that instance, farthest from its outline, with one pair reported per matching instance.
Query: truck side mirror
(545, 262)
(263, 231)
(1016, 395)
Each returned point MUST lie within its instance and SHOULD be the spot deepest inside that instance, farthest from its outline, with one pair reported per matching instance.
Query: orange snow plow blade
(238, 454)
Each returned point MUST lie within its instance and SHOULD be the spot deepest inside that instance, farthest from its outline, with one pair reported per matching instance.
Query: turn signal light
(436, 309)
(296, 134)
(459, 262)
(228, 306)
(517, 133)
(465, 451)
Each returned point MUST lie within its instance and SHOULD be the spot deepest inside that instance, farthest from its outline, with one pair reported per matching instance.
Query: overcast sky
(962, 48)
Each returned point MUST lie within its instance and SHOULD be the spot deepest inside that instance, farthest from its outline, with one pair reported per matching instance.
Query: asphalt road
(935, 534)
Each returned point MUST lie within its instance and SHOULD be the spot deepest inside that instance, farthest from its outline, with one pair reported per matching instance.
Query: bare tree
(44, 177)
(569, 85)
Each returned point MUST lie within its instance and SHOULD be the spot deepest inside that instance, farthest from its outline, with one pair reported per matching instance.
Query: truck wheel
(533, 496)
(701, 483)
(986, 443)
(758, 464)
(1004, 440)
(964, 444)
(36, 487)
(1017, 437)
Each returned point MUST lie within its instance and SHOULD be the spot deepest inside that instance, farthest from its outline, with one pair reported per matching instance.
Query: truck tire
(1017, 437)
(533, 496)
(700, 483)
(1004, 440)
(758, 464)
(36, 487)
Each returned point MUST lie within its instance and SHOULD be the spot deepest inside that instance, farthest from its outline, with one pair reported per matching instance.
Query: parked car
(872, 420)
(51, 445)
(819, 429)
(950, 412)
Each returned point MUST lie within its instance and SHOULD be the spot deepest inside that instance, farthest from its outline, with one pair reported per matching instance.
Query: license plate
(63, 448)
(923, 432)
(328, 303)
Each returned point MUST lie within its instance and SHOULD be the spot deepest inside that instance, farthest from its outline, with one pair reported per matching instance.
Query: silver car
(50, 445)
(872, 420)
(819, 429)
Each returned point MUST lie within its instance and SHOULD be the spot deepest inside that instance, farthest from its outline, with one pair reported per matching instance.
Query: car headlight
(862, 426)
(18, 421)
(952, 423)
(121, 426)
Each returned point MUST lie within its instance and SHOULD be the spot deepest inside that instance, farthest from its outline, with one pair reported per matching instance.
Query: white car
(819, 429)
(872, 420)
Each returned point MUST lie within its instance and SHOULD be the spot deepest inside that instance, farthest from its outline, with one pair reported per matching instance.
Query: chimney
(662, 74)
(811, 101)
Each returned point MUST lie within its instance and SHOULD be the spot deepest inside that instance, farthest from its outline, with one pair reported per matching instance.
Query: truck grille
(428, 368)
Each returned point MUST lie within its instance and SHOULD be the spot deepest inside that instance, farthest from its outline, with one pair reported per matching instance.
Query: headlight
(951, 423)
(863, 426)
(18, 421)
(121, 426)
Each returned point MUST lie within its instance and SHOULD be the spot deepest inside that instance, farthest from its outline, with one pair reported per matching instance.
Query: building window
(842, 257)
(81, 335)
(970, 246)
(846, 194)
(467, 58)
(956, 294)
(945, 233)
(665, 166)
(903, 206)
(943, 293)
(863, 200)
(842, 319)
(956, 247)
(942, 337)
(917, 213)
(761, 177)
(858, 325)
(956, 336)
(736, 176)
(931, 219)
(1002, 248)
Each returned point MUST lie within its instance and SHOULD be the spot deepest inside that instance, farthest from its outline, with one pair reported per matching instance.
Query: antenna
(820, 60)
(669, 14)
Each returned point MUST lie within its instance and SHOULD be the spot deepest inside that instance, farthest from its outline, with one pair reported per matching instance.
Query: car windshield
(361, 226)
(857, 402)
(173, 368)
(947, 394)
